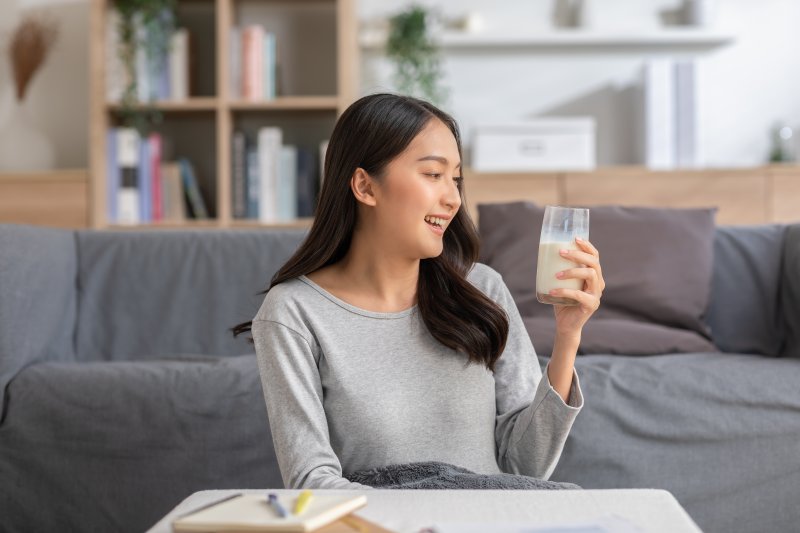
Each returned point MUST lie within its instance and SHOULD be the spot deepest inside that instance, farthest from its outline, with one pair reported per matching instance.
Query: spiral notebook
(251, 512)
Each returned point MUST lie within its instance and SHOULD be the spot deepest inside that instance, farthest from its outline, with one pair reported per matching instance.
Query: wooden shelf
(192, 104)
(664, 38)
(298, 103)
(200, 128)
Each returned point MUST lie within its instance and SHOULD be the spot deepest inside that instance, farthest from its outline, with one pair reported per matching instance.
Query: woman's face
(423, 181)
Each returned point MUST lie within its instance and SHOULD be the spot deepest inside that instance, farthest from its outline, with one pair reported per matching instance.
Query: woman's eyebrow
(440, 159)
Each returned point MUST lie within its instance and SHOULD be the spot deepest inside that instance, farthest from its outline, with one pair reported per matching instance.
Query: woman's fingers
(586, 273)
(588, 302)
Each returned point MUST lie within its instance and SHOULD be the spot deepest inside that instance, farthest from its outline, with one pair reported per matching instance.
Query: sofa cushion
(790, 290)
(38, 298)
(172, 292)
(744, 312)
(718, 431)
(618, 336)
(657, 263)
(86, 436)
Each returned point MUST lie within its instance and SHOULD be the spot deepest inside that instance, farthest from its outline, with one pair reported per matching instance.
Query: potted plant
(415, 55)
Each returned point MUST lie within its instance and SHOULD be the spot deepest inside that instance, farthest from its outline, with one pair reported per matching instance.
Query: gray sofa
(124, 391)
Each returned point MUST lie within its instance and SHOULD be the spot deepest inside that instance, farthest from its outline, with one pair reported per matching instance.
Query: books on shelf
(142, 187)
(669, 114)
(271, 181)
(160, 74)
(253, 58)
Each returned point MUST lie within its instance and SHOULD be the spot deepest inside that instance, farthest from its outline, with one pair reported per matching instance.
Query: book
(659, 114)
(252, 178)
(239, 175)
(236, 63)
(112, 174)
(179, 64)
(172, 193)
(251, 512)
(286, 187)
(270, 140)
(193, 193)
(253, 63)
(128, 211)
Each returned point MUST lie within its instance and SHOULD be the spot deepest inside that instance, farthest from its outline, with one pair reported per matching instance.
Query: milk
(549, 264)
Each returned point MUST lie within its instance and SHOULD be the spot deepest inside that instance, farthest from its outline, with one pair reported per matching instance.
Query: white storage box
(541, 144)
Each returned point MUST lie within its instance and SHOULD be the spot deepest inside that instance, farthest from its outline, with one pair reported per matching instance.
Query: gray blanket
(435, 475)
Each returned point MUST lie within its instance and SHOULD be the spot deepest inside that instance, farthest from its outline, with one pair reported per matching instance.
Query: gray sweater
(348, 389)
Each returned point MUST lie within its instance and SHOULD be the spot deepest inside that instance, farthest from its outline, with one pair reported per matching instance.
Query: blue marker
(273, 502)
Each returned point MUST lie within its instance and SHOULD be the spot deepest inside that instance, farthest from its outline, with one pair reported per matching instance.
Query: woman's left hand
(571, 318)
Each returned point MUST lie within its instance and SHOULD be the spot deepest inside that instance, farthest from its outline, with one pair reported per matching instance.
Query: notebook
(251, 512)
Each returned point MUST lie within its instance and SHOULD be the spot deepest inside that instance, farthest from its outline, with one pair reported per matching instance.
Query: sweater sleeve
(533, 421)
(293, 394)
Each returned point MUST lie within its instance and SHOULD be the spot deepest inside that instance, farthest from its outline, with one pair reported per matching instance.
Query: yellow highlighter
(302, 501)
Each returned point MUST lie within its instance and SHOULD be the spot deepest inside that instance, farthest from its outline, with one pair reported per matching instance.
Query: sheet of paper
(605, 524)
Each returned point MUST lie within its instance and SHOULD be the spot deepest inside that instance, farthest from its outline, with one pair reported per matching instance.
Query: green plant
(415, 55)
(157, 17)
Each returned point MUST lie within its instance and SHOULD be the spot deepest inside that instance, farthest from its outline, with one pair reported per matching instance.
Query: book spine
(239, 176)
(270, 140)
(236, 63)
(269, 66)
(112, 175)
(253, 185)
(179, 64)
(157, 204)
(128, 160)
(659, 114)
(253, 58)
(287, 184)
(116, 75)
(144, 181)
(141, 60)
(193, 193)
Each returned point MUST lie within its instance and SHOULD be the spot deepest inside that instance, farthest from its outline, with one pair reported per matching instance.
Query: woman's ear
(362, 186)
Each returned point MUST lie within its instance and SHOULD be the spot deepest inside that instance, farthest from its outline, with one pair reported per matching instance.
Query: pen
(206, 506)
(302, 501)
(272, 500)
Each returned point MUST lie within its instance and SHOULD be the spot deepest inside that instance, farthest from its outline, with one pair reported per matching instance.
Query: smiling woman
(381, 341)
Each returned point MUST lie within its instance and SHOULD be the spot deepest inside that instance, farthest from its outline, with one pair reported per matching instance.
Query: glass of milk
(560, 227)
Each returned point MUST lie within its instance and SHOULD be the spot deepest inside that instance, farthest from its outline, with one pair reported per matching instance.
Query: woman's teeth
(434, 220)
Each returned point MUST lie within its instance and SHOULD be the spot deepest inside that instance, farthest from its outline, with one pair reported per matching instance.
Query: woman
(382, 341)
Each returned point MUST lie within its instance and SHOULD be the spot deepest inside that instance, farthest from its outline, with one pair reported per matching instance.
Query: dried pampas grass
(30, 43)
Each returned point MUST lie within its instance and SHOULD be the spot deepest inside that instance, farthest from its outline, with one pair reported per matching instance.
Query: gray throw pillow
(657, 264)
(744, 306)
(790, 290)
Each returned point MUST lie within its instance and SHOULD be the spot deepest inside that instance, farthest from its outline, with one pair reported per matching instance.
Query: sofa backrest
(38, 302)
(173, 293)
(744, 312)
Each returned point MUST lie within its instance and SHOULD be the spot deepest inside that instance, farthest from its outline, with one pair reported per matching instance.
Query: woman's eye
(458, 179)
(434, 175)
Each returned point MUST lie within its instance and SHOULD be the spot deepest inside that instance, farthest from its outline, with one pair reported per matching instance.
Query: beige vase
(23, 146)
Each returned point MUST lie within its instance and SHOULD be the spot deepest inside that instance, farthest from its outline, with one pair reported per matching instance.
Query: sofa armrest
(790, 290)
(38, 300)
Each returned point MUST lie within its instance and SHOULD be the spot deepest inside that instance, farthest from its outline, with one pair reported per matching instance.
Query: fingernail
(560, 275)
(564, 252)
(578, 239)
(553, 291)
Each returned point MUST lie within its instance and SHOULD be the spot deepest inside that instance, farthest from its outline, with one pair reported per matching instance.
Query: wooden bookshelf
(319, 70)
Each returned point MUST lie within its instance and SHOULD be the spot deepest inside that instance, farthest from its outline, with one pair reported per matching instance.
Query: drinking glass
(560, 227)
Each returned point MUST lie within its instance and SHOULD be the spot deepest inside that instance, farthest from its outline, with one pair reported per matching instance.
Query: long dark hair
(371, 133)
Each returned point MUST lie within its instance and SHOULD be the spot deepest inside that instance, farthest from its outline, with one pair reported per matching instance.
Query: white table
(408, 511)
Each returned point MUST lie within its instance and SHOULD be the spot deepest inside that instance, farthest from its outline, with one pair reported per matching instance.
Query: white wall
(744, 87)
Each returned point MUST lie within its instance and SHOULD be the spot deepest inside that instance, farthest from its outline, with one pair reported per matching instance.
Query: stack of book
(254, 68)
(160, 74)
(142, 188)
(670, 114)
(272, 181)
